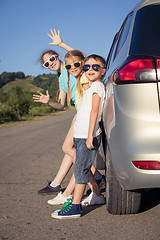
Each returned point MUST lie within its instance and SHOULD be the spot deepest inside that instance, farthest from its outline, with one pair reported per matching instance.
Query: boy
(87, 133)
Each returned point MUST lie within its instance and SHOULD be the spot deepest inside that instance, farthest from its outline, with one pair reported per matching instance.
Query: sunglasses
(95, 67)
(76, 65)
(51, 59)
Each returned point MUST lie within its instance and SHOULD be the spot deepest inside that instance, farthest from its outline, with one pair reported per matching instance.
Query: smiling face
(53, 66)
(91, 74)
(73, 71)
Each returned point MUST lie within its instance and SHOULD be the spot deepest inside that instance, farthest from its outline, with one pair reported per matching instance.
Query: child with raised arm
(51, 60)
(87, 133)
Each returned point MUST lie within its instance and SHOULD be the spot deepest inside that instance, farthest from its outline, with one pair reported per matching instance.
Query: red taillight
(147, 165)
(158, 63)
(136, 71)
(158, 68)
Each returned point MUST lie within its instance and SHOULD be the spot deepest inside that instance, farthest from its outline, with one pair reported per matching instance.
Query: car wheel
(118, 200)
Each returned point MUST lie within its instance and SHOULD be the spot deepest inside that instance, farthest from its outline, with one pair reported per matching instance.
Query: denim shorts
(84, 158)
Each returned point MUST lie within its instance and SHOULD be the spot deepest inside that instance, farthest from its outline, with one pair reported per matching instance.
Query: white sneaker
(93, 199)
(59, 199)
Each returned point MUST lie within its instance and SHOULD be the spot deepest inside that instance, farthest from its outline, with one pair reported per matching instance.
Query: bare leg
(70, 188)
(68, 146)
(78, 193)
(69, 150)
(71, 185)
(93, 184)
(63, 170)
(94, 170)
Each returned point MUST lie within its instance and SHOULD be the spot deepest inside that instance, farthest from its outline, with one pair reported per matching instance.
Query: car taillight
(158, 68)
(136, 71)
(147, 165)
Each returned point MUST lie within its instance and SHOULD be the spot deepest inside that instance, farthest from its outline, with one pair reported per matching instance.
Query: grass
(24, 84)
(36, 117)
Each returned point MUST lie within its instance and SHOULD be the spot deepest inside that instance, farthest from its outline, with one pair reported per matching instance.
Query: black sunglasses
(51, 59)
(95, 67)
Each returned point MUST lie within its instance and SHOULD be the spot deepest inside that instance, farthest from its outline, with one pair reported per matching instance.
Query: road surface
(30, 154)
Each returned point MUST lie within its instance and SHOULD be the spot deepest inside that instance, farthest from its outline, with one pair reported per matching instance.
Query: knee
(64, 148)
(68, 149)
(74, 158)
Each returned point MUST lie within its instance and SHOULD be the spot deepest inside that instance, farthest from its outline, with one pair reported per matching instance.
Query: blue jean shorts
(84, 158)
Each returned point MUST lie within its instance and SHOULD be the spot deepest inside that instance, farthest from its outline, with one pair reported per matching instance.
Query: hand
(89, 143)
(55, 37)
(41, 97)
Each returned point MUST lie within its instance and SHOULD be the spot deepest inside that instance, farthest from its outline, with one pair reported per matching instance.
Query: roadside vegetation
(16, 90)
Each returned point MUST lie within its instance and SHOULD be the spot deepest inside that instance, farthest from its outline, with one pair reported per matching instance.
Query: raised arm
(93, 118)
(46, 99)
(57, 41)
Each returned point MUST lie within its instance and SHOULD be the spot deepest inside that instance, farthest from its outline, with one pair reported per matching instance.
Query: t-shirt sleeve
(99, 89)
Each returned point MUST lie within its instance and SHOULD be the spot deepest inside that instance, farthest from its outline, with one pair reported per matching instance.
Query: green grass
(24, 84)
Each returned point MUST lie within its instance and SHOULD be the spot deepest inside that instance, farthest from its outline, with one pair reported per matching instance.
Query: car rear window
(146, 32)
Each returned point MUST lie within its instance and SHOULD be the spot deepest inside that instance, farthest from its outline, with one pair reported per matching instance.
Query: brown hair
(48, 52)
(97, 58)
(81, 56)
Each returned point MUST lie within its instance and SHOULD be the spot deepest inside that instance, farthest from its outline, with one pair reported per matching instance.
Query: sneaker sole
(48, 193)
(92, 204)
(56, 203)
(65, 217)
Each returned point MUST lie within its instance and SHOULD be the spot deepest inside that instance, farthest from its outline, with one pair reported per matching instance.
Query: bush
(40, 110)
(7, 113)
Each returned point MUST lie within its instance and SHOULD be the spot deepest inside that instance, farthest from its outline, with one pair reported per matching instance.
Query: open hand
(41, 97)
(55, 37)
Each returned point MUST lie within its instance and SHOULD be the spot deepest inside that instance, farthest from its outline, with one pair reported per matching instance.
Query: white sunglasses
(51, 59)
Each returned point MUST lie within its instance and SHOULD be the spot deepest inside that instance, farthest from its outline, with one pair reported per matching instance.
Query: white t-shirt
(81, 125)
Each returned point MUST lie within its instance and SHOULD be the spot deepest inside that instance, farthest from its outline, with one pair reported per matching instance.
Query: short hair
(98, 58)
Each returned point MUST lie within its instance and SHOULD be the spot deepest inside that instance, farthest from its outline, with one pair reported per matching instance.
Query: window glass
(124, 33)
(146, 32)
(112, 51)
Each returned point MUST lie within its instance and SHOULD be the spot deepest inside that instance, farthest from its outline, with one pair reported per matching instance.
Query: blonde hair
(81, 56)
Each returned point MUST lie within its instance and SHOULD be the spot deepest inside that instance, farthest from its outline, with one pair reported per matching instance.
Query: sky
(87, 25)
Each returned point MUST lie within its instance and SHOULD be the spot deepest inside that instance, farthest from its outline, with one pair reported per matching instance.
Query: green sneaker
(68, 211)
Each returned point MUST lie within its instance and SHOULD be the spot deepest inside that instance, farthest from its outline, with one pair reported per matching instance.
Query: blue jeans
(84, 158)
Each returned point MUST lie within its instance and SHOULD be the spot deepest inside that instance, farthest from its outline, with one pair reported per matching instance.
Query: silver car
(131, 117)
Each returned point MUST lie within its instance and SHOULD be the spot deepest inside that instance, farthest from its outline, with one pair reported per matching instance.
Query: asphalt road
(30, 154)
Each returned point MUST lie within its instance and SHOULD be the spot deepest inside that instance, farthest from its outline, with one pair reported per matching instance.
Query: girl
(51, 60)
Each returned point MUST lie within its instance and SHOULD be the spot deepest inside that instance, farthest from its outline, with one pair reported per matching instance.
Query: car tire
(118, 200)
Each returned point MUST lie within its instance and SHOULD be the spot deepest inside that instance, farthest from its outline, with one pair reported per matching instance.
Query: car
(131, 115)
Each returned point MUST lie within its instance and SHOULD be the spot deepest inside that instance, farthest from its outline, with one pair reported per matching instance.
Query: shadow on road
(150, 199)
(88, 209)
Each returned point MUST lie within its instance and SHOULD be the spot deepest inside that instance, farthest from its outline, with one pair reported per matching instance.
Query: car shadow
(150, 199)
(87, 209)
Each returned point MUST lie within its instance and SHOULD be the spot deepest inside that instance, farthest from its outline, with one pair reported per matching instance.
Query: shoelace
(67, 205)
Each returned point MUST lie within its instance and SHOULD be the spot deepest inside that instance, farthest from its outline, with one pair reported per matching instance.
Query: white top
(81, 125)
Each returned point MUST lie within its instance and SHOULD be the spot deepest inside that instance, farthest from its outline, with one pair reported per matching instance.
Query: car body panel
(131, 119)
